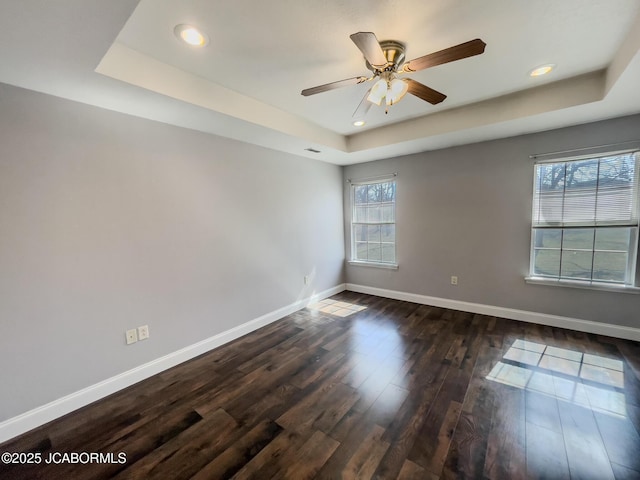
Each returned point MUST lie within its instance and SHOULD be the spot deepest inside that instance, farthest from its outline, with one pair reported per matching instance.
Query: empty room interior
(338, 239)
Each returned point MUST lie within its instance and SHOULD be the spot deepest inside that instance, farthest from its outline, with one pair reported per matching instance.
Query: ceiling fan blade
(333, 85)
(451, 54)
(363, 107)
(425, 93)
(370, 48)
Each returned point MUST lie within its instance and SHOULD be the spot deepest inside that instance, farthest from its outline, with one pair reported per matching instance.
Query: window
(373, 223)
(585, 220)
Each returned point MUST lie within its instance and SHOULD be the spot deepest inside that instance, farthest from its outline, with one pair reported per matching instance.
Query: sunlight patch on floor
(335, 307)
(558, 372)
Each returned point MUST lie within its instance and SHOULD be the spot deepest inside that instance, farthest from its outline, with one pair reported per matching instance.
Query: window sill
(586, 285)
(388, 266)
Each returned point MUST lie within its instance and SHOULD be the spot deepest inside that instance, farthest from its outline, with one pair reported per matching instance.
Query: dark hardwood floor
(392, 390)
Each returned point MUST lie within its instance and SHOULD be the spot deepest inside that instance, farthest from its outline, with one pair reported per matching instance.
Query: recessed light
(312, 150)
(358, 123)
(542, 70)
(191, 35)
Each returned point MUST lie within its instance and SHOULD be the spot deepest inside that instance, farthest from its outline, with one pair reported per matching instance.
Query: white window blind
(594, 191)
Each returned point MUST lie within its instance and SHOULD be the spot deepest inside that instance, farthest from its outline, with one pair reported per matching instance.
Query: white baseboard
(588, 326)
(39, 416)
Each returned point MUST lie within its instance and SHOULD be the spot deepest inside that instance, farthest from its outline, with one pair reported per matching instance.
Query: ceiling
(122, 55)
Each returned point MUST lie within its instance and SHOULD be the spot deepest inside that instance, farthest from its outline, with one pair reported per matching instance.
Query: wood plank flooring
(392, 390)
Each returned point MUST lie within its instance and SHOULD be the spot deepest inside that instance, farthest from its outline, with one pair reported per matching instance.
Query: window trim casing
(370, 181)
(633, 265)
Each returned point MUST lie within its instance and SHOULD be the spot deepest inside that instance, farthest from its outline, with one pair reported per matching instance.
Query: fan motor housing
(394, 52)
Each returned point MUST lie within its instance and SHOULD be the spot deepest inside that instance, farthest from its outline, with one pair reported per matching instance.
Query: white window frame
(632, 280)
(372, 263)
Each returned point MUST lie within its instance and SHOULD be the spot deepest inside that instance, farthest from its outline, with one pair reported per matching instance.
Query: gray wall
(108, 222)
(466, 211)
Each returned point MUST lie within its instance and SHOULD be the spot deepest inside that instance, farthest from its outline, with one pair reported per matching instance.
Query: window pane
(581, 238)
(360, 194)
(613, 239)
(576, 264)
(547, 238)
(360, 233)
(374, 252)
(387, 214)
(388, 192)
(373, 233)
(388, 253)
(546, 263)
(549, 193)
(360, 214)
(616, 188)
(361, 251)
(375, 193)
(610, 266)
(388, 233)
(373, 213)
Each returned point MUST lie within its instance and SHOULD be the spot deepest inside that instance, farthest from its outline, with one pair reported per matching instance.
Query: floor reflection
(334, 307)
(375, 376)
(559, 373)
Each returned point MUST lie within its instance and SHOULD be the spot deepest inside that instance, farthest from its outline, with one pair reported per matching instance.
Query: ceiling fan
(386, 61)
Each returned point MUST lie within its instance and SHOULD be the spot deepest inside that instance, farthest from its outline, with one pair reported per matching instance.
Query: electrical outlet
(306, 279)
(454, 280)
(132, 336)
(143, 332)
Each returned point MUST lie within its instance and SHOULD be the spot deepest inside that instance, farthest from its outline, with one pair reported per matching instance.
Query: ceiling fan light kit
(397, 89)
(378, 92)
(386, 61)
(388, 87)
